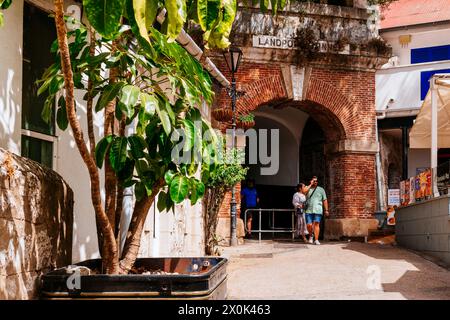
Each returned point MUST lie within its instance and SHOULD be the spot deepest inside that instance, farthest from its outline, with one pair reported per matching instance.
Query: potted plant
(246, 121)
(222, 114)
(226, 174)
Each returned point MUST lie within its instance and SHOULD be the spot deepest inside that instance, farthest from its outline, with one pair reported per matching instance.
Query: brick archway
(342, 102)
(326, 104)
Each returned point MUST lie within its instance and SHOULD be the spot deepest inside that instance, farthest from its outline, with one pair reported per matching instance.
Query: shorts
(249, 214)
(313, 217)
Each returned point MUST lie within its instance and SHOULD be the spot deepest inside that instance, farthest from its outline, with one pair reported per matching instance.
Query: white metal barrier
(272, 229)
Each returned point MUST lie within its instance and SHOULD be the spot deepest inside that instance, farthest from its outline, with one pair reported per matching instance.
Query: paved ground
(335, 270)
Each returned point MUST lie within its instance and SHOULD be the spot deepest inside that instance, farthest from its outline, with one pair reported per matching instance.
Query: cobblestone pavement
(334, 270)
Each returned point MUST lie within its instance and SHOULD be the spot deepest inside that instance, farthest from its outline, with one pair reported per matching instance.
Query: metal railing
(272, 227)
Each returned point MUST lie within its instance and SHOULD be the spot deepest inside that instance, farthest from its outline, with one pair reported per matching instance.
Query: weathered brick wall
(349, 95)
(351, 185)
(36, 220)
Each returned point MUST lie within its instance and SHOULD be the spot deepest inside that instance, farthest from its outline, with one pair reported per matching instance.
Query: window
(430, 54)
(38, 34)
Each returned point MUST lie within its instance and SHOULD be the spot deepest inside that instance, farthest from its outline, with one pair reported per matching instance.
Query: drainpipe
(380, 193)
(194, 50)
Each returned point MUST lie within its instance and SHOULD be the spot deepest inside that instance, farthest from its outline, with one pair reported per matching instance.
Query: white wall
(401, 81)
(418, 158)
(421, 37)
(11, 35)
(290, 123)
(402, 84)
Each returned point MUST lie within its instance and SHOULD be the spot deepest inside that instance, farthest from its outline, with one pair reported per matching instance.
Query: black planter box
(198, 278)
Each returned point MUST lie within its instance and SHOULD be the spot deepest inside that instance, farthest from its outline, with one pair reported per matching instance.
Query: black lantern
(233, 58)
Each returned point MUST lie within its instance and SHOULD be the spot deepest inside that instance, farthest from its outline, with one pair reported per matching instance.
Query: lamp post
(233, 58)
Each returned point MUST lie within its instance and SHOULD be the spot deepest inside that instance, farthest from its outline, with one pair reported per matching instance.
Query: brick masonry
(343, 103)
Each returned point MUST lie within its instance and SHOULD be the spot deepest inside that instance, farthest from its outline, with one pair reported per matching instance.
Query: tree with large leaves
(140, 59)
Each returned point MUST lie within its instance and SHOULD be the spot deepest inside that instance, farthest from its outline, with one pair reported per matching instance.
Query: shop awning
(421, 133)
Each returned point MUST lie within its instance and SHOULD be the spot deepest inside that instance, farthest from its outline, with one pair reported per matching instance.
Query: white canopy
(421, 133)
(431, 130)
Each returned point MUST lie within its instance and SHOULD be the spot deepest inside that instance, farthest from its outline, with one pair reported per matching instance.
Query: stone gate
(320, 59)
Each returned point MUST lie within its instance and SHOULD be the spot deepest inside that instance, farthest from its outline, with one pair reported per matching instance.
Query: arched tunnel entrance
(301, 144)
(321, 118)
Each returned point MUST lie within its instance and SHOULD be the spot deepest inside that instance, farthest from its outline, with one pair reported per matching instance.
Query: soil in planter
(168, 266)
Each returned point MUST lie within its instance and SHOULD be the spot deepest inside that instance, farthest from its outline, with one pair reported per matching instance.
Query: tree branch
(133, 241)
(110, 258)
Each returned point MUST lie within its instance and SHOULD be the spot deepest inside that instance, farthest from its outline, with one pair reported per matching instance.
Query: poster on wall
(428, 186)
(417, 194)
(443, 178)
(394, 197)
(391, 215)
(403, 193)
(412, 190)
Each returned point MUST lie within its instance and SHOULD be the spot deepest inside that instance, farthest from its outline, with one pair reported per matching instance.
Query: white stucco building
(419, 34)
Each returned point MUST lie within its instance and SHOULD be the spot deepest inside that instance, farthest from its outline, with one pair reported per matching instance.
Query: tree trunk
(110, 257)
(213, 200)
(110, 175)
(133, 241)
(91, 134)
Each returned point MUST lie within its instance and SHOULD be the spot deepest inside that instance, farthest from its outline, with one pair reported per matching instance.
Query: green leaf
(218, 37)
(118, 153)
(197, 190)
(264, 4)
(274, 4)
(105, 15)
(44, 86)
(163, 114)
(145, 13)
(47, 110)
(208, 13)
(101, 149)
(126, 173)
(137, 146)
(5, 4)
(56, 84)
(129, 97)
(149, 103)
(164, 202)
(179, 188)
(176, 17)
(110, 93)
(61, 114)
(168, 176)
(189, 131)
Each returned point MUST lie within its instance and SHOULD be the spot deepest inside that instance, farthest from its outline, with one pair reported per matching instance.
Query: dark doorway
(312, 158)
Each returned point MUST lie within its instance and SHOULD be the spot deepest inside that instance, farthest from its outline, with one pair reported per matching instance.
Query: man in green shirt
(317, 205)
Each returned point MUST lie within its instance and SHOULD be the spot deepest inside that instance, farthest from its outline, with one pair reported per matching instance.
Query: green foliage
(249, 117)
(229, 171)
(4, 4)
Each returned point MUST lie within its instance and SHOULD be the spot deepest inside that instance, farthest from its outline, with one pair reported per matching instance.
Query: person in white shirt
(298, 201)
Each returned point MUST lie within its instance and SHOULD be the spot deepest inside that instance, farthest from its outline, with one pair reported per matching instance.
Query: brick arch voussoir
(266, 91)
(322, 93)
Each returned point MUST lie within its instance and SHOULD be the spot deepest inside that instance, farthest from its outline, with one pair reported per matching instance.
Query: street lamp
(233, 58)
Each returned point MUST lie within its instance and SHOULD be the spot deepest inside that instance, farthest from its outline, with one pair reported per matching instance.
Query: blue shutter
(425, 77)
(430, 54)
